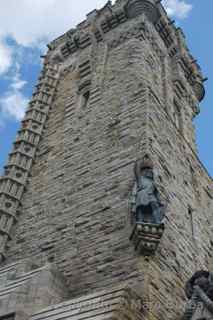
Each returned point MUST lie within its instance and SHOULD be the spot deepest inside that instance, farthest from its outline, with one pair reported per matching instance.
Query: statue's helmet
(146, 163)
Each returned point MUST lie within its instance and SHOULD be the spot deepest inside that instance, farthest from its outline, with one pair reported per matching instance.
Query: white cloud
(16, 82)
(177, 8)
(33, 22)
(5, 57)
(18, 85)
(13, 103)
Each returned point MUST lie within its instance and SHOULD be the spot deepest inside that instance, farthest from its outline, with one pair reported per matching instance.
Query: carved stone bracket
(146, 237)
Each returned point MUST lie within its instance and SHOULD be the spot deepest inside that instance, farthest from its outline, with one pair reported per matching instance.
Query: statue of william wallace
(148, 207)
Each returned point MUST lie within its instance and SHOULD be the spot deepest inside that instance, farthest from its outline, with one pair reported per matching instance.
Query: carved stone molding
(136, 7)
(199, 90)
(15, 178)
(146, 237)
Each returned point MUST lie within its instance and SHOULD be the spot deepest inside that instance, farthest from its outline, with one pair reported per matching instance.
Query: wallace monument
(105, 209)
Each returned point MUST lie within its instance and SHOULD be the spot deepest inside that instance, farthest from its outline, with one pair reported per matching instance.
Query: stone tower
(111, 118)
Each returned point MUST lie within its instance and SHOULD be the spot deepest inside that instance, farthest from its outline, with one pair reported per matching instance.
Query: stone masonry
(121, 85)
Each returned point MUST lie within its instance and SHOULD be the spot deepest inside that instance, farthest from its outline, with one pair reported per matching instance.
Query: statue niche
(146, 208)
(199, 291)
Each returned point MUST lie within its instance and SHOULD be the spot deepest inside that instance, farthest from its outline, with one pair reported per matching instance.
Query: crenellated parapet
(14, 181)
(99, 23)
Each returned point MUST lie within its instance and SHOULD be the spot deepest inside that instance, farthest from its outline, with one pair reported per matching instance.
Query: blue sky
(26, 28)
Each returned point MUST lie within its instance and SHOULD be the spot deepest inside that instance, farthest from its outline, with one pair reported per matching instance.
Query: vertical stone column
(14, 181)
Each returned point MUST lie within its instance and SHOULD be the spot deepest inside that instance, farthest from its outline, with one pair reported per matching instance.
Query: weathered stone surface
(126, 87)
(17, 171)
(25, 289)
(115, 303)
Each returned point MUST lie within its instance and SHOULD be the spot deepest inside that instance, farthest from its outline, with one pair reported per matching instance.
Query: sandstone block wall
(119, 97)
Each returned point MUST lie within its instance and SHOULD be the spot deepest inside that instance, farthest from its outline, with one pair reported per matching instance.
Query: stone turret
(135, 8)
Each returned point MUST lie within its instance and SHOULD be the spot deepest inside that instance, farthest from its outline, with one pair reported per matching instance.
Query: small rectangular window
(85, 99)
(177, 118)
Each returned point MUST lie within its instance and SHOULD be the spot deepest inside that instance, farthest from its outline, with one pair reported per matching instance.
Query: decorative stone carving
(199, 291)
(199, 89)
(113, 19)
(147, 209)
(14, 181)
(136, 7)
(85, 72)
(146, 237)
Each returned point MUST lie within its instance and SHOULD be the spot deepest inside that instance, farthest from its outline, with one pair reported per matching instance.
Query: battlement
(100, 22)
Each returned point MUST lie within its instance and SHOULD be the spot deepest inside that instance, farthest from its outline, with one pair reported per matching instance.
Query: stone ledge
(24, 289)
(115, 303)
